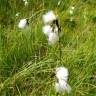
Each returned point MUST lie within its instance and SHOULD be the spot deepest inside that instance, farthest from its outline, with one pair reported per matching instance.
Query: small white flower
(49, 17)
(26, 3)
(53, 38)
(62, 76)
(62, 86)
(23, 23)
(62, 73)
(17, 14)
(47, 29)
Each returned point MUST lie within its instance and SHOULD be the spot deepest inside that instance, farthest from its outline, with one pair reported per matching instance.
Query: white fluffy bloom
(62, 73)
(49, 17)
(53, 38)
(47, 29)
(23, 23)
(62, 86)
(62, 76)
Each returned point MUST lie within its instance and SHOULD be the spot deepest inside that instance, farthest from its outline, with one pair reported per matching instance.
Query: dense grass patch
(26, 59)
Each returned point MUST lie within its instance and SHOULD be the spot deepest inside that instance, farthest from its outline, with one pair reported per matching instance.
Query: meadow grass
(26, 59)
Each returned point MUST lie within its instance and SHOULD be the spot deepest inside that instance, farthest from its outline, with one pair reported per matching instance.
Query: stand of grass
(26, 59)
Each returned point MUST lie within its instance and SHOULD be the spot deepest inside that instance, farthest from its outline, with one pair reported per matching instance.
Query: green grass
(26, 59)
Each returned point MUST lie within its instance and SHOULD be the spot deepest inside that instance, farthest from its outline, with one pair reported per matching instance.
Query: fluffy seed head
(49, 17)
(23, 23)
(47, 29)
(53, 38)
(62, 73)
(62, 86)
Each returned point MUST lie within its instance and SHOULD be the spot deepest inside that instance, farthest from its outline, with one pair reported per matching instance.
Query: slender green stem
(33, 15)
(59, 30)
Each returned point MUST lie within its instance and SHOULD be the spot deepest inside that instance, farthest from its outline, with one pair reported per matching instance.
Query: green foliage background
(26, 59)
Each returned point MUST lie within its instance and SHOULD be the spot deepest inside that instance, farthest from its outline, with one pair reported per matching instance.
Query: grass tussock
(26, 59)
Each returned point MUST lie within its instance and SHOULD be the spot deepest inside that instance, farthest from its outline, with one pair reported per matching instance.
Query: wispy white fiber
(47, 29)
(62, 86)
(62, 77)
(23, 23)
(49, 17)
(53, 38)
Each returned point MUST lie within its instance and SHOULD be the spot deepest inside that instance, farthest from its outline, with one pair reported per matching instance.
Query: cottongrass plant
(62, 77)
(47, 29)
(53, 38)
(23, 23)
(51, 28)
(52, 35)
(49, 17)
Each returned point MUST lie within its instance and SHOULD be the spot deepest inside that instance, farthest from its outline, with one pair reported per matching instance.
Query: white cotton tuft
(49, 17)
(47, 29)
(62, 86)
(62, 73)
(53, 38)
(23, 23)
